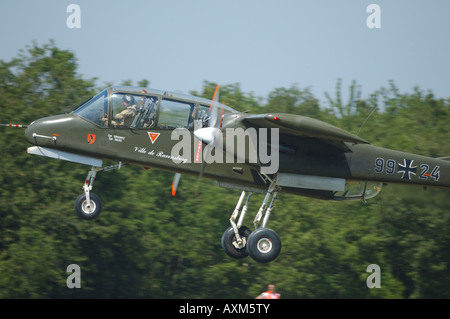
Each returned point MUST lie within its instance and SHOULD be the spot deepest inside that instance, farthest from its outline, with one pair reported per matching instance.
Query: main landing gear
(263, 244)
(88, 205)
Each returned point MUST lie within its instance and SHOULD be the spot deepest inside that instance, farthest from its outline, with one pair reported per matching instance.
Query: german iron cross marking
(406, 169)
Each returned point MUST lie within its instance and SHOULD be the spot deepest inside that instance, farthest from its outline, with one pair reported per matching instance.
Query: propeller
(209, 135)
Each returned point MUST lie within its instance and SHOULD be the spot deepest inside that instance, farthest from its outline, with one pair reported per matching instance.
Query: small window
(359, 190)
(175, 114)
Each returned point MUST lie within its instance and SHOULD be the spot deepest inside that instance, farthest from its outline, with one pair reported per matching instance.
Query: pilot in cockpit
(125, 118)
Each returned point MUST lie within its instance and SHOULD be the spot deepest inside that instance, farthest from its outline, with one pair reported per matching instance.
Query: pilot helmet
(129, 99)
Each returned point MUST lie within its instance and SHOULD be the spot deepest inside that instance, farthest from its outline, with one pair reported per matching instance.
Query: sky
(260, 44)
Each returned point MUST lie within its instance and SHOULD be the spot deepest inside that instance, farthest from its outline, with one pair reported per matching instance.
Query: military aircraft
(205, 138)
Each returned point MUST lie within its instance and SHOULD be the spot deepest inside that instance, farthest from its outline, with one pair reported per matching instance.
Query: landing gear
(88, 209)
(230, 245)
(88, 205)
(263, 244)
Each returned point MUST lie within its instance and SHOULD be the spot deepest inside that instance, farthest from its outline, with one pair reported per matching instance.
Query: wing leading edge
(297, 125)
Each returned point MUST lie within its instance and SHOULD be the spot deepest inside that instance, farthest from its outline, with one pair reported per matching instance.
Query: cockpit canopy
(137, 108)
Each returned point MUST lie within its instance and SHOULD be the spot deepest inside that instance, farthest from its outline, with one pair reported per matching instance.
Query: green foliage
(148, 244)
(293, 100)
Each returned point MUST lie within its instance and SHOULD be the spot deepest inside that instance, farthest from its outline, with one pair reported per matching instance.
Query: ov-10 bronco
(264, 153)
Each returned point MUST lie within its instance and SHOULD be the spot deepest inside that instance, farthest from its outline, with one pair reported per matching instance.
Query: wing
(302, 126)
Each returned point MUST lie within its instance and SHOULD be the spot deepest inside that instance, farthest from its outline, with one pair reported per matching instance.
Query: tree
(231, 95)
(293, 100)
(34, 237)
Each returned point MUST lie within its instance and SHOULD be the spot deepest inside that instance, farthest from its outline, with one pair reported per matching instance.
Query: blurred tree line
(148, 244)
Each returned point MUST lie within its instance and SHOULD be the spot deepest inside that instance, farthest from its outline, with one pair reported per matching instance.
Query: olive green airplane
(264, 153)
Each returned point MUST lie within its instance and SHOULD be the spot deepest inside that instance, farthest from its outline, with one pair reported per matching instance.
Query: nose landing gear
(88, 205)
(88, 208)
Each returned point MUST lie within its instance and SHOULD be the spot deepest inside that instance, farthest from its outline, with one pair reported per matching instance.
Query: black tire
(229, 237)
(264, 245)
(85, 212)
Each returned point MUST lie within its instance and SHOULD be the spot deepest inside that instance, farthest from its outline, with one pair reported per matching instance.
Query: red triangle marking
(153, 136)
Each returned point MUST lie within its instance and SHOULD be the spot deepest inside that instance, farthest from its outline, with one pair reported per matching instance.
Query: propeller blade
(200, 176)
(208, 135)
(176, 180)
(215, 96)
(213, 108)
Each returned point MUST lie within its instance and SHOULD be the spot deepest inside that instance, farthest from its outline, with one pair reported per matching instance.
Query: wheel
(85, 211)
(229, 237)
(263, 245)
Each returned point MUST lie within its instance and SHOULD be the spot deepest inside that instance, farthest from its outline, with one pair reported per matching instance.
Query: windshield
(95, 109)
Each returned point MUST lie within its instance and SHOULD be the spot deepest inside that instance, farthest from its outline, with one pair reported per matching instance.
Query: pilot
(125, 118)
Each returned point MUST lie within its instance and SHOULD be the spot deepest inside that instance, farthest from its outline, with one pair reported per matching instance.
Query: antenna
(13, 125)
(373, 110)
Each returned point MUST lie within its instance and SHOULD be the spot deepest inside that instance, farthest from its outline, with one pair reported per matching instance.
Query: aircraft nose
(43, 131)
(47, 131)
(29, 131)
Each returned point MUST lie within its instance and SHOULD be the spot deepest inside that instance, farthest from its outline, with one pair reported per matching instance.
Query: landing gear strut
(263, 244)
(88, 205)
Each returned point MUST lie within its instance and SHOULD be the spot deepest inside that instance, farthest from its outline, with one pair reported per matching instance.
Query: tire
(229, 237)
(263, 245)
(85, 212)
